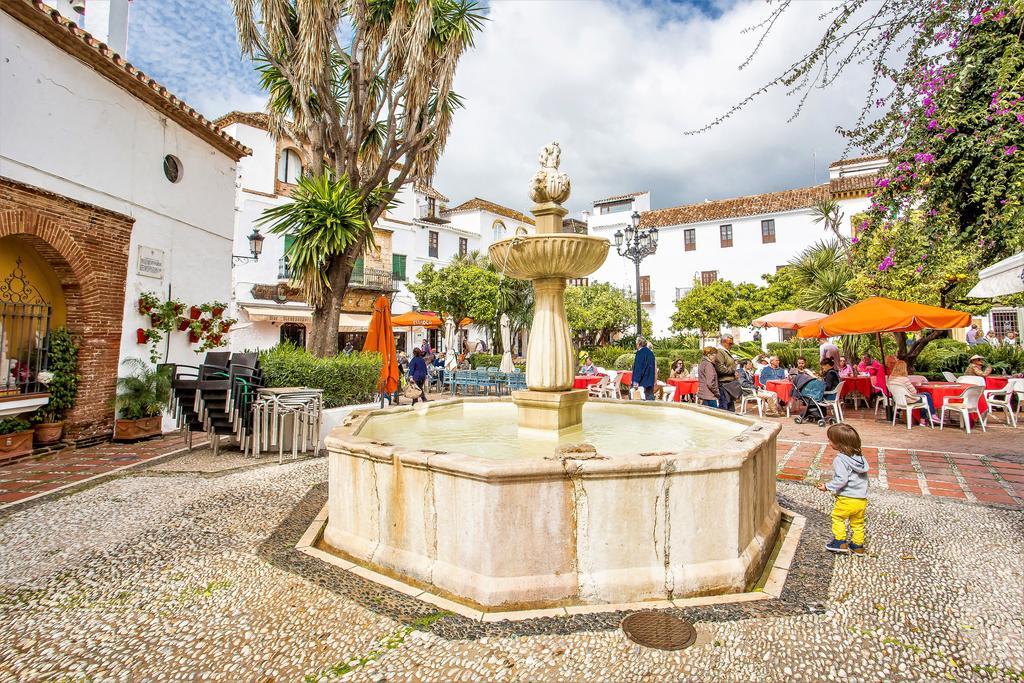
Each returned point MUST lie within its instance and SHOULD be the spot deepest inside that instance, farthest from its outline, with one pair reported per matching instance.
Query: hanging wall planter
(140, 336)
(182, 324)
(195, 312)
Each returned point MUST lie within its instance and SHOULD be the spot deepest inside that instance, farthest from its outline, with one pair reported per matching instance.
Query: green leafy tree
(365, 90)
(598, 311)
(706, 308)
(460, 289)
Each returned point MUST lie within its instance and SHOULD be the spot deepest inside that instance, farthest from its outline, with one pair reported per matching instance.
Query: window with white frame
(498, 231)
(289, 166)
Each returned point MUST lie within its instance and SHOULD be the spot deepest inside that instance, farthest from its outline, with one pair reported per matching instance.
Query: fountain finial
(548, 189)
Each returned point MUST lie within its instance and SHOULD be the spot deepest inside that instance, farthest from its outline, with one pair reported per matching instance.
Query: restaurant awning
(1000, 279)
(347, 322)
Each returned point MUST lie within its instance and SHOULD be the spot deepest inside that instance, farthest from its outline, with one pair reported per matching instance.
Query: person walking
(728, 386)
(644, 372)
(707, 378)
(418, 373)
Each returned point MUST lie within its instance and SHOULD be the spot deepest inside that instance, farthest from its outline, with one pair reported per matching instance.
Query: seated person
(677, 370)
(760, 362)
(746, 375)
(829, 375)
(976, 367)
(772, 371)
(900, 378)
(871, 367)
(588, 367)
(846, 369)
(802, 369)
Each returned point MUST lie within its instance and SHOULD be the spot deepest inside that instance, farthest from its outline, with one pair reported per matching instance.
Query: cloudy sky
(616, 83)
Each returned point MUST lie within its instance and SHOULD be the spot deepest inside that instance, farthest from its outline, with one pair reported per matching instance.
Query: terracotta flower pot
(193, 338)
(140, 336)
(225, 327)
(48, 432)
(155, 320)
(15, 445)
(144, 307)
(183, 324)
(130, 430)
(217, 311)
(205, 324)
(178, 308)
(195, 312)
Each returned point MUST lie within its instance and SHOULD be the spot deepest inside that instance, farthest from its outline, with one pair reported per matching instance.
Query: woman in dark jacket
(418, 373)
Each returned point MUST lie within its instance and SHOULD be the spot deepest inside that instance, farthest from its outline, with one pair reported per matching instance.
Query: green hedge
(604, 356)
(690, 357)
(949, 355)
(346, 380)
(486, 360)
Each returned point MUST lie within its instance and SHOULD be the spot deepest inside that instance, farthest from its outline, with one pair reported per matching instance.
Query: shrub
(943, 355)
(12, 425)
(605, 356)
(345, 379)
(1003, 359)
(143, 392)
(63, 385)
(624, 361)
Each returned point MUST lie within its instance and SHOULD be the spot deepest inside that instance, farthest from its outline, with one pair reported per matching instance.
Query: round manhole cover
(659, 630)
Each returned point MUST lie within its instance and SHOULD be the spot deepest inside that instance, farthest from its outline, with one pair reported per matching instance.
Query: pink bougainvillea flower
(1010, 151)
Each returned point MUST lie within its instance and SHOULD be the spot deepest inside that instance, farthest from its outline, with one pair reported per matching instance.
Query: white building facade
(110, 186)
(739, 239)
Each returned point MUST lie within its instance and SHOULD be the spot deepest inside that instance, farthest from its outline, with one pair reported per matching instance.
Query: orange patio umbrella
(380, 338)
(427, 319)
(877, 314)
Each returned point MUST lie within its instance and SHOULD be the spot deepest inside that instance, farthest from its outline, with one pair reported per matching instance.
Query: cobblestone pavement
(29, 477)
(178, 575)
(964, 476)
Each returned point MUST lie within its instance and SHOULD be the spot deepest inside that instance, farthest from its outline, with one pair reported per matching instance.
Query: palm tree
(827, 212)
(823, 276)
(366, 90)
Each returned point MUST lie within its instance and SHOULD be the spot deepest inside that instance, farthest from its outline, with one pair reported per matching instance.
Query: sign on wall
(151, 262)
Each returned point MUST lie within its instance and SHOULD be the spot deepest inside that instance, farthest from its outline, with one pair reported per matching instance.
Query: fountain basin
(562, 255)
(689, 509)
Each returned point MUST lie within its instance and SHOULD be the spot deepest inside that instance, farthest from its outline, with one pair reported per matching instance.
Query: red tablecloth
(685, 386)
(584, 381)
(940, 390)
(782, 388)
(626, 378)
(996, 382)
(861, 384)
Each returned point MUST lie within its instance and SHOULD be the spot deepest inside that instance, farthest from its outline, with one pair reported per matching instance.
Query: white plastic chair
(917, 379)
(903, 402)
(971, 379)
(748, 396)
(833, 398)
(950, 377)
(599, 388)
(1000, 398)
(668, 393)
(964, 404)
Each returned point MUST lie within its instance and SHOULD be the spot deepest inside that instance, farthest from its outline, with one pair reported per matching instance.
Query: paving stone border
(805, 590)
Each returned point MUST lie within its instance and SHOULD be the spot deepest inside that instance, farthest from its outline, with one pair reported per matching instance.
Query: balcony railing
(283, 271)
(647, 297)
(376, 279)
(24, 347)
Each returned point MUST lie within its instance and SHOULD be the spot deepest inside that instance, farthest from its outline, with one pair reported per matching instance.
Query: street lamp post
(636, 245)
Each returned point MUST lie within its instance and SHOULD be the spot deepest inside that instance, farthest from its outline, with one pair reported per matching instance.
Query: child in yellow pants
(850, 484)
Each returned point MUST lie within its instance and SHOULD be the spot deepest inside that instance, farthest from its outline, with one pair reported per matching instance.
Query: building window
(767, 231)
(579, 282)
(284, 271)
(463, 246)
(357, 271)
(690, 238)
(172, 168)
(708, 276)
(615, 207)
(294, 333)
(645, 288)
(725, 233)
(498, 231)
(431, 207)
(682, 291)
(289, 166)
(432, 245)
(398, 267)
(1004, 320)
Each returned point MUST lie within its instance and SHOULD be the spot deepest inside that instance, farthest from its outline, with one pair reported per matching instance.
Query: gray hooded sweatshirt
(851, 476)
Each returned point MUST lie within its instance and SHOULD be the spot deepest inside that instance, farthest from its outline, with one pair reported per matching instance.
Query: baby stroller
(812, 392)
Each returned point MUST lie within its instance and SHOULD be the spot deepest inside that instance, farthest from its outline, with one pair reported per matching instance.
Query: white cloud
(617, 85)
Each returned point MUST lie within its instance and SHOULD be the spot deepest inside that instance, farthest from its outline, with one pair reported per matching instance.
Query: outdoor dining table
(626, 378)
(996, 381)
(939, 391)
(859, 386)
(782, 388)
(584, 381)
(685, 386)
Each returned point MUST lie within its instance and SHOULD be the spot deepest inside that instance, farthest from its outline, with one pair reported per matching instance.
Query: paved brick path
(965, 476)
(30, 477)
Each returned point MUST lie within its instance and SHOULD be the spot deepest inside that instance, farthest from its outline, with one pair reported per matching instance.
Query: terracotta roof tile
(428, 190)
(852, 184)
(477, 204)
(51, 25)
(856, 160)
(752, 205)
(256, 119)
(620, 197)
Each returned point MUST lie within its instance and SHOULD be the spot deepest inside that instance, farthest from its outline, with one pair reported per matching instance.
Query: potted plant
(214, 308)
(61, 382)
(147, 302)
(141, 397)
(194, 312)
(15, 438)
(140, 336)
(183, 324)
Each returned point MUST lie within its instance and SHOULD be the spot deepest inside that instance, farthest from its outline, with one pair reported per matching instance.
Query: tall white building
(738, 239)
(420, 229)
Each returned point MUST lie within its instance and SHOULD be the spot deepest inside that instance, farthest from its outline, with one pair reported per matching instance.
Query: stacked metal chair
(185, 381)
(271, 412)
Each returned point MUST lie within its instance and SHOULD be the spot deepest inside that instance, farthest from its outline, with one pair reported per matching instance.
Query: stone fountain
(550, 499)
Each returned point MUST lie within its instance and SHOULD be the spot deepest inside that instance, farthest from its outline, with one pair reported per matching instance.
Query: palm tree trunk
(323, 334)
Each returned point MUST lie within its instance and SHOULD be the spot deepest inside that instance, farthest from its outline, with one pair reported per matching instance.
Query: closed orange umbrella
(878, 314)
(380, 338)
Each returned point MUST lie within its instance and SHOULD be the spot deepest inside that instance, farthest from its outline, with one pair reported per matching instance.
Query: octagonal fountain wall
(673, 500)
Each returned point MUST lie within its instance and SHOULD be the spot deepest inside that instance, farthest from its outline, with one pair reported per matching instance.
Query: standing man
(830, 351)
(644, 373)
(725, 365)
(972, 335)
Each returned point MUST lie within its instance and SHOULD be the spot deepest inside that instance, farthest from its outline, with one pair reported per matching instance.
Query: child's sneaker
(857, 549)
(839, 547)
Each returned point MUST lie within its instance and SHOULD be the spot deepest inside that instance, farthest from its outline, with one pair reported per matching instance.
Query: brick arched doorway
(87, 248)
